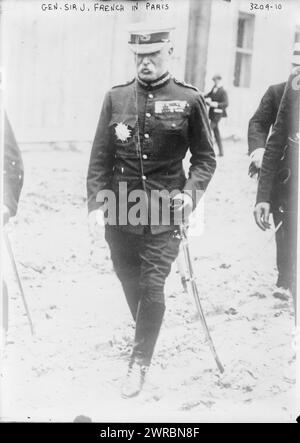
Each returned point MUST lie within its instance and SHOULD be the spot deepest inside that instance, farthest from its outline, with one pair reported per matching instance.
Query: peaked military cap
(146, 39)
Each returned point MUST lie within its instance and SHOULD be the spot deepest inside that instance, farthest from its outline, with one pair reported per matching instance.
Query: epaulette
(124, 84)
(187, 85)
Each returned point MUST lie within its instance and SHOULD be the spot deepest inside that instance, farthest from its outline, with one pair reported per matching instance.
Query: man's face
(152, 66)
(217, 81)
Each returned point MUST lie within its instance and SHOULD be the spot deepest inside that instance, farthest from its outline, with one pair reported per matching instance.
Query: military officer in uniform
(145, 129)
(259, 129)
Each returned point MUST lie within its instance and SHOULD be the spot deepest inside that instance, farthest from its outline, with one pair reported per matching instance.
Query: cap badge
(145, 37)
(123, 133)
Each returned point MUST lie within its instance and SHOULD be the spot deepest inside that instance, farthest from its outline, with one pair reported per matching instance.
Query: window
(244, 50)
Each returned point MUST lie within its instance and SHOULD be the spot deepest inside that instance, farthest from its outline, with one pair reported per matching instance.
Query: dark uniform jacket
(264, 117)
(164, 120)
(285, 128)
(13, 169)
(221, 97)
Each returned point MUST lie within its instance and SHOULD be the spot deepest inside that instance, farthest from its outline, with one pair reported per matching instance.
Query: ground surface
(76, 362)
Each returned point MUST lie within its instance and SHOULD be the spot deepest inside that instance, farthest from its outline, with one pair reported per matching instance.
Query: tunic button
(13, 163)
(173, 125)
(146, 135)
(145, 156)
(148, 114)
(150, 95)
(144, 177)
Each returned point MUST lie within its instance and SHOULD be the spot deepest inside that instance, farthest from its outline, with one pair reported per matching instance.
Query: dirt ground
(77, 359)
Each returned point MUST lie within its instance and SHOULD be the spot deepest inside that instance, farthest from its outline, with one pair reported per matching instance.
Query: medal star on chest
(123, 133)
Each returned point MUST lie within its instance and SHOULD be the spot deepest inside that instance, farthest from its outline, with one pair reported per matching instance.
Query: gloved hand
(182, 206)
(6, 214)
(256, 159)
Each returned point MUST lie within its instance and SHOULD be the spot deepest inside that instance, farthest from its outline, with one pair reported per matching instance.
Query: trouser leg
(124, 249)
(282, 250)
(157, 255)
(216, 131)
(149, 320)
(290, 225)
(142, 263)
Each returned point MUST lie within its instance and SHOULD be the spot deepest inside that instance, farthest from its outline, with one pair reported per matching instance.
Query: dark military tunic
(13, 169)
(163, 122)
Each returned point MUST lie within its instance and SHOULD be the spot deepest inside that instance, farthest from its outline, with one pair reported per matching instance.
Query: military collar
(158, 83)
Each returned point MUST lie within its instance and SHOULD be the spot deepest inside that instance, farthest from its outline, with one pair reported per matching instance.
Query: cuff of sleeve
(263, 198)
(93, 206)
(256, 151)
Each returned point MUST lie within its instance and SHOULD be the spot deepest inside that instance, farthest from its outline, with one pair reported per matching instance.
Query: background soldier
(280, 171)
(258, 131)
(217, 100)
(144, 132)
(13, 181)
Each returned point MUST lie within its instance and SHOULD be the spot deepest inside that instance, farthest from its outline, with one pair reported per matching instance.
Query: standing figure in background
(279, 175)
(259, 128)
(217, 100)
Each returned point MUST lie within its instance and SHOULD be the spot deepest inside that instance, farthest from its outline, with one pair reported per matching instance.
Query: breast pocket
(172, 122)
(171, 135)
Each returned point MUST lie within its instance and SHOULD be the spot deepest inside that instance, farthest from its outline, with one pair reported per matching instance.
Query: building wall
(197, 45)
(60, 64)
(274, 34)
